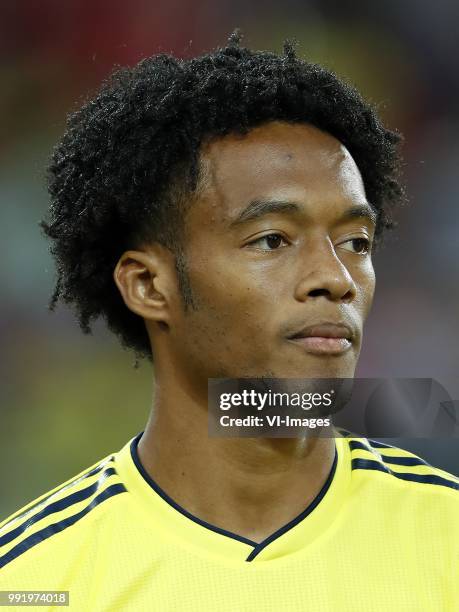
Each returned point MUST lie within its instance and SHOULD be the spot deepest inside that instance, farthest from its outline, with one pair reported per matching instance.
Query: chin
(319, 369)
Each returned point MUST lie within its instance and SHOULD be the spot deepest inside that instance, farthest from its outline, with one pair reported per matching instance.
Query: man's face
(269, 251)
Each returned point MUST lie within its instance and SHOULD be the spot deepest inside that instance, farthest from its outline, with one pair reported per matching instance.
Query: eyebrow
(259, 208)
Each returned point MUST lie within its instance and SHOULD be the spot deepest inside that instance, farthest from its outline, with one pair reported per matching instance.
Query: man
(220, 214)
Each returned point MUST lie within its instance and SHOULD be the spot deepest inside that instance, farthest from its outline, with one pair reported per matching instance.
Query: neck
(248, 486)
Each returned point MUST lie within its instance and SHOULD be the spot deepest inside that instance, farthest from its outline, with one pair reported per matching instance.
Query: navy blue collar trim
(175, 505)
(315, 502)
(257, 547)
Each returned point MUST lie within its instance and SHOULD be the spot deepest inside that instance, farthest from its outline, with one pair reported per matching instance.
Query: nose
(325, 275)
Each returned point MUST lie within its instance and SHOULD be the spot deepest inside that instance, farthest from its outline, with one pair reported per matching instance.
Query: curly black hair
(129, 160)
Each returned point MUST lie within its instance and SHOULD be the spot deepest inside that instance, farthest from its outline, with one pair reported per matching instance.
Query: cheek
(232, 289)
(366, 283)
(234, 315)
(224, 337)
(228, 307)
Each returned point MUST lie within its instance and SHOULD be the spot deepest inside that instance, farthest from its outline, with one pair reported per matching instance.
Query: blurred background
(67, 400)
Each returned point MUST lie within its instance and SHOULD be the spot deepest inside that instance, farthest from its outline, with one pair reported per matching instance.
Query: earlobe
(138, 278)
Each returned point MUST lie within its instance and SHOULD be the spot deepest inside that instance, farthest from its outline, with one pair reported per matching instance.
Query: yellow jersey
(382, 534)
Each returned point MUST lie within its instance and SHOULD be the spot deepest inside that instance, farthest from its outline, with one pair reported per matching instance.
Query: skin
(250, 293)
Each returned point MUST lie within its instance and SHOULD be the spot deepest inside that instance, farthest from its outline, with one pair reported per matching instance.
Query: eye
(271, 241)
(361, 246)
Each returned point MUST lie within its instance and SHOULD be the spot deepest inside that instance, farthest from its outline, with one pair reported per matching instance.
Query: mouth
(324, 339)
(319, 345)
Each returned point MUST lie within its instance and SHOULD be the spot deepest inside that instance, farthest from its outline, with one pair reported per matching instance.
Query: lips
(325, 330)
(324, 338)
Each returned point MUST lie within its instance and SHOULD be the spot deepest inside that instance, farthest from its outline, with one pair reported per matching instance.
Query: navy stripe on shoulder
(378, 444)
(22, 512)
(370, 464)
(57, 506)
(49, 531)
(404, 460)
(344, 433)
(356, 445)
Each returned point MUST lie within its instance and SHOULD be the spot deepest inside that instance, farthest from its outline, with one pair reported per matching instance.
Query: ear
(145, 281)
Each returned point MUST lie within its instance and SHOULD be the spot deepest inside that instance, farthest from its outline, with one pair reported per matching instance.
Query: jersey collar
(187, 530)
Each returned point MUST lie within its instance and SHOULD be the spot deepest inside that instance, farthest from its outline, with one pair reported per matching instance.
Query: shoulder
(63, 510)
(400, 468)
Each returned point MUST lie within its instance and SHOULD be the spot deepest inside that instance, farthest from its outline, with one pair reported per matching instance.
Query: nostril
(318, 292)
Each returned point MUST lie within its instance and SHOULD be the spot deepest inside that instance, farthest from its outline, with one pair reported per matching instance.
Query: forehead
(278, 160)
